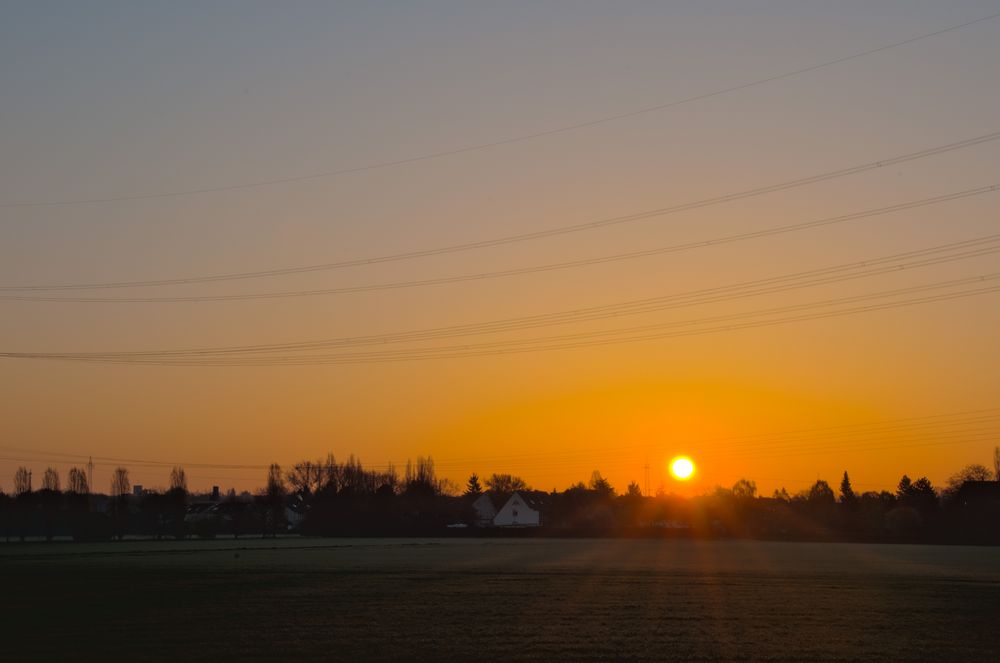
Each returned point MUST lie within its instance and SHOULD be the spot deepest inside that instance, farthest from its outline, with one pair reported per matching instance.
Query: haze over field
(142, 144)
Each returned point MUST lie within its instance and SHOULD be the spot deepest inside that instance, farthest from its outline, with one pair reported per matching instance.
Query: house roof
(487, 498)
(979, 490)
(536, 499)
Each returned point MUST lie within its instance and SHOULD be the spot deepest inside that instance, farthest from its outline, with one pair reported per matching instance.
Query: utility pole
(90, 474)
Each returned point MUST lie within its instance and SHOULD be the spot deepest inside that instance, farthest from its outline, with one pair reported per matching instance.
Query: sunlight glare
(682, 468)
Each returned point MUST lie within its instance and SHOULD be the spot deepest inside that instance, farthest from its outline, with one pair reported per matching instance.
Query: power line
(891, 264)
(715, 324)
(552, 232)
(663, 250)
(513, 139)
(532, 345)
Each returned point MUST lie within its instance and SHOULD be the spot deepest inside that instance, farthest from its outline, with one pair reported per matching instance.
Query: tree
(847, 494)
(996, 463)
(48, 502)
(782, 495)
(274, 500)
(919, 494)
(77, 481)
(505, 483)
(173, 503)
(973, 472)
(472, 486)
(120, 485)
(600, 485)
(905, 488)
(633, 490)
(821, 493)
(446, 486)
(50, 480)
(22, 481)
(275, 484)
(744, 489)
(923, 496)
(178, 479)
(306, 477)
(421, 477)
(76, 502)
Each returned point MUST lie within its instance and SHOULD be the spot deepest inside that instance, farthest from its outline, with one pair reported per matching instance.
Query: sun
(682, 468)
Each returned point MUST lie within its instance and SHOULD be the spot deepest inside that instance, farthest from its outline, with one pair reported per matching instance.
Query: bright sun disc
(682, 468)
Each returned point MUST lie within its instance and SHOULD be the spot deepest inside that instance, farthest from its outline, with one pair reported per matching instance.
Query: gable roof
(483, 500)
(979, 491)
(534, 499)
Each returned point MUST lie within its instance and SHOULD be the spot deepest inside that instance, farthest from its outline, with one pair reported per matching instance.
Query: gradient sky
(124, 99)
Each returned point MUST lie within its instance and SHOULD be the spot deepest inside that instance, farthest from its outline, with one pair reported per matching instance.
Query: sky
(141, 107)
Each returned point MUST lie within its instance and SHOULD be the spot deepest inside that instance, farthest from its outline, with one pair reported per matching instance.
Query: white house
(523, 509)
(485, 510)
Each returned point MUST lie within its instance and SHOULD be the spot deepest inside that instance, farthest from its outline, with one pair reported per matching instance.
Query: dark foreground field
(498, 599)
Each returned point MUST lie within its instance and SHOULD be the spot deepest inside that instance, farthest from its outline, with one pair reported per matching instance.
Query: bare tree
(275, 484)
(996, 463)
(178, 479)
(50, 480)
(22, 481)
(307, 477)
(422, 473)
(448, 487)
(745, 489)
(77, 481)
(505, 483)
(331, 473)
(120, 484)
(973, 472)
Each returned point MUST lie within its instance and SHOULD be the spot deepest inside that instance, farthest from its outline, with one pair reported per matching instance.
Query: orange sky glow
(172, 105)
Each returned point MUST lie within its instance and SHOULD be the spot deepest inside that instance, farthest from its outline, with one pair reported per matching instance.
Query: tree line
(327, 497)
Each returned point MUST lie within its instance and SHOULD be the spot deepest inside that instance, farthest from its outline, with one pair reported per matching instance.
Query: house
(978, 496)
(485, 510)
(523, 509)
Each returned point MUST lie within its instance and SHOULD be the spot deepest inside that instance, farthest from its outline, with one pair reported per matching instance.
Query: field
(497, 599)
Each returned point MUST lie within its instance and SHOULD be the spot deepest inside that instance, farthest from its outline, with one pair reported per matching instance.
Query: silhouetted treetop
(847, 494)
(77, 481)
(821, 493)
(50, 480)
(178, 479)
(973, 472)
(22, 481)
(505, 483)
(120, 484)
(600, 485)
(744, 489)
(472, 486)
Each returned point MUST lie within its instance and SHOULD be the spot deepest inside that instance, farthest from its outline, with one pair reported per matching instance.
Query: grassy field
(539, 599)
